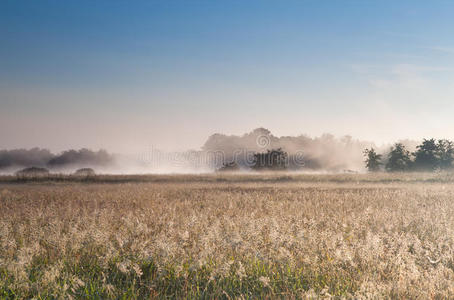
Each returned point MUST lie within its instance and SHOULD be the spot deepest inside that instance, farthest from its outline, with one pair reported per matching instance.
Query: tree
(275, 159)
(445, 154)
(398, 159)
(426, 155)
(373, 160)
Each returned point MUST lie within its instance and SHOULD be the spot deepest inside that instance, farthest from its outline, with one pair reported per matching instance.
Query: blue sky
(126, 75)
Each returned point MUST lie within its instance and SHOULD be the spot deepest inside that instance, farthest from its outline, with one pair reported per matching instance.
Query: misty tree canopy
(445, 154)
(325, 152)
(275, 159)
(33, 171)
(373, 160)
(430, 155)
(426, 156)
(398, 159)
(82, 156)
(44, 158)
(24, 157)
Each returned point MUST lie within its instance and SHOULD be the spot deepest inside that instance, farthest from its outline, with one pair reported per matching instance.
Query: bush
(373, 160)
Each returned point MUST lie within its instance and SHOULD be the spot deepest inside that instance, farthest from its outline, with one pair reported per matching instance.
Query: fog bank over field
(325, 153)
(64, 162)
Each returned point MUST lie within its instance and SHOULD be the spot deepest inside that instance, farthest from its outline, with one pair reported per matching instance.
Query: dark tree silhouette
(445, 154)
(82, 156)
(275, 159)
(426, 156)
(373, 160)
(398, 159)
(23, 157)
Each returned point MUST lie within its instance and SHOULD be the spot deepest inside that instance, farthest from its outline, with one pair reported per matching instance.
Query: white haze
(323, 154)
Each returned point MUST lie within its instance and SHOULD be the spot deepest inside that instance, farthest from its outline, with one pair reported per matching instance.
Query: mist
(325, 153)
(64, 162)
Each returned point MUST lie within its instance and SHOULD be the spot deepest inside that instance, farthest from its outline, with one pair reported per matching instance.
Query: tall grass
(235, 238)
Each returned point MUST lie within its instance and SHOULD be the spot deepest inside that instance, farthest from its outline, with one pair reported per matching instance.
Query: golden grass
(228, 236)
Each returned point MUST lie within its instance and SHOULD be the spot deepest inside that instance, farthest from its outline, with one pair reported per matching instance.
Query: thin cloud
(449, 50)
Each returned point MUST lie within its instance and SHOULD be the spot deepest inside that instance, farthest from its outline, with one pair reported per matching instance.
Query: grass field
(227, 236)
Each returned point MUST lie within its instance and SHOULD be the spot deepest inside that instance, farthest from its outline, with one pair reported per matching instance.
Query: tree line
(37, 157)
(430, 155)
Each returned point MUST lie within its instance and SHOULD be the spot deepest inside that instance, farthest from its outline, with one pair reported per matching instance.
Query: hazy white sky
(168, 74)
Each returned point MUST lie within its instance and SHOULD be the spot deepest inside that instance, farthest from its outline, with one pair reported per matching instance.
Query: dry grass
(229, 236)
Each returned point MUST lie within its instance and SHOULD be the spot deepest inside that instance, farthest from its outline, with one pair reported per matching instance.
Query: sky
(129, 75)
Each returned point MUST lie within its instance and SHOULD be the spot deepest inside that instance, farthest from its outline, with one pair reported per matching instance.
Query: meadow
(227, 236)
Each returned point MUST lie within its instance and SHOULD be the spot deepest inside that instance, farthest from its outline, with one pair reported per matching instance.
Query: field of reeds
(227, 236)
